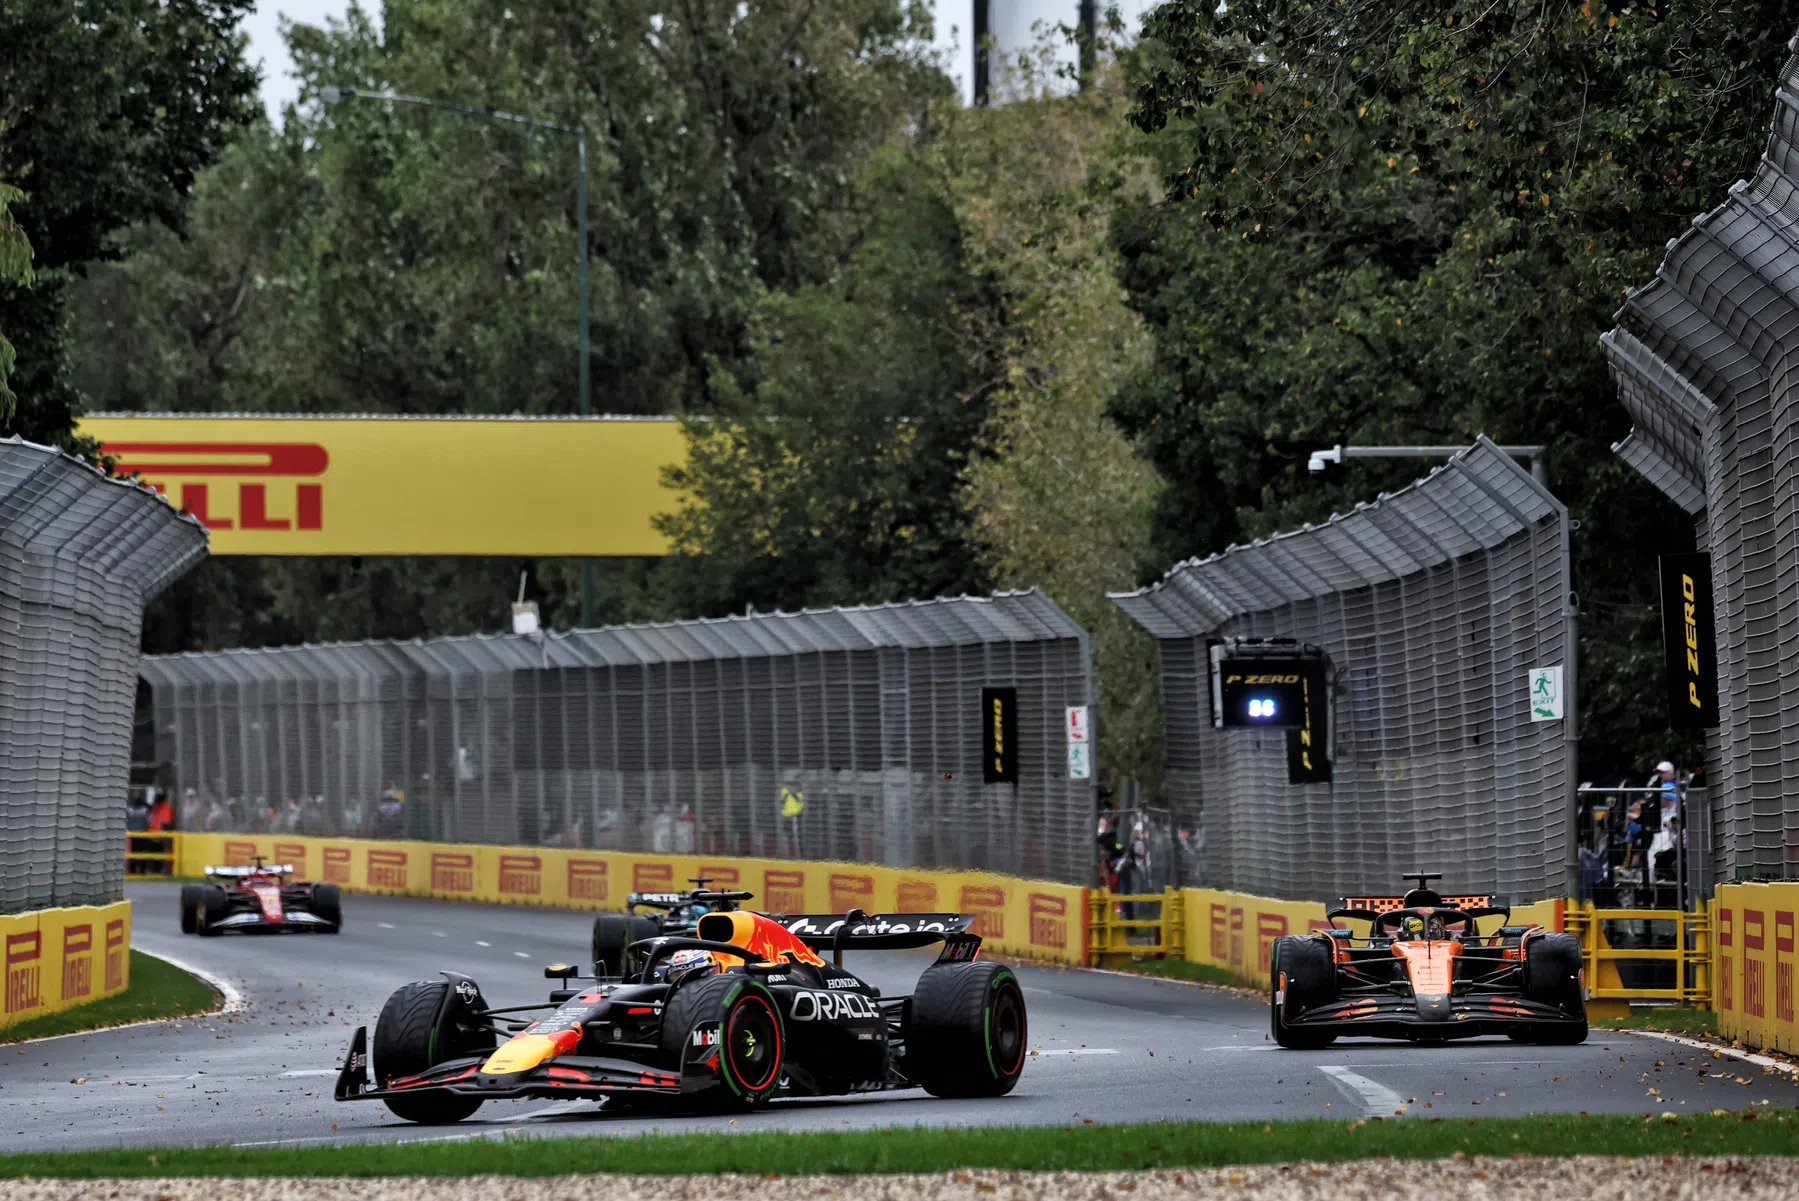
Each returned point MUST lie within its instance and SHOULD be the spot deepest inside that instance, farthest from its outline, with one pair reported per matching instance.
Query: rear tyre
(190, 908)
(749, 1036)
(1552, 964)
(612, 933)
(1311, 981)
(968, 1030)
(327, 906)
(406, 1043)
(211, 911)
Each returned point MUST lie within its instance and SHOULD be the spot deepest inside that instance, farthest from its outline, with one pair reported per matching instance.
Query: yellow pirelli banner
(59, 958)
(1752, 963)
(284, 485)
(1024, 918)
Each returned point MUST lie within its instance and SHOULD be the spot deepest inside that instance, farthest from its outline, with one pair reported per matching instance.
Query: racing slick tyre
(1552, 964)
(190, 908)
(406, 1043)
(210, 911)
(750, 1040)
(1311, 981)
(612, 933)
(967, 1033)
(327, 907)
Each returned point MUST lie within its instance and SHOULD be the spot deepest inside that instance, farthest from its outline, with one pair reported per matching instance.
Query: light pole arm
(1337, 454)
(332, 95)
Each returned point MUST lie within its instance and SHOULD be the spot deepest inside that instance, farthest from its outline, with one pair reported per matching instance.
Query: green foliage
(158, 989)
(1409, 221)
(15, 269)
(107, 111)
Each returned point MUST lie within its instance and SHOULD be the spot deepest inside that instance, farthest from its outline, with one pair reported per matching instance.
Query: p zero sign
(407, 486)
(999, 735)
(1690, 641)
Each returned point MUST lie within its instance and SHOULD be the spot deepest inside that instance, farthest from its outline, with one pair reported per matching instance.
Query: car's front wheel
(211, 911)
(1552, 964)
(1302, 977)
(327, 907)
(407, 1041)
(190, 908)
(738, 1016)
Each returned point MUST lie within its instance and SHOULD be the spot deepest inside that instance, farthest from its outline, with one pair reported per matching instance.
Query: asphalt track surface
(1109, 1048)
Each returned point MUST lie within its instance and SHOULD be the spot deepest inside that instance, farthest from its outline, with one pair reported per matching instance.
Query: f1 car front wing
(566, 1076)
(1391, 1015)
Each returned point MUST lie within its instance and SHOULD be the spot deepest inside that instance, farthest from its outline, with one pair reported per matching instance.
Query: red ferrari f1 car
(1425, 972)
(746, 1012)
(261, 896)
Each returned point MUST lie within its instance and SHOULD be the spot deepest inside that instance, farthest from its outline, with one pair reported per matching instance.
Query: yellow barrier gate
(1133, 925)
(1614, 941)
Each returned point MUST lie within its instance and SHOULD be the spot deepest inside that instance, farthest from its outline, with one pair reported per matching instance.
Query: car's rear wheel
(211, 911)
(749, 1036)
(407, 1041)
(1310, 980)
(612, 933)
(1552, 964)
(968, 1031)
(190, 908)
(327, 906)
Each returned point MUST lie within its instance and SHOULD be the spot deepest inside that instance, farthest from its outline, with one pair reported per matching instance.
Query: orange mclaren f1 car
(1426, 972)
(745, 1012)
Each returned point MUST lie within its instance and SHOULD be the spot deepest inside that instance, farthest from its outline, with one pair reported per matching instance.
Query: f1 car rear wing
(272, 869)
(857, 931)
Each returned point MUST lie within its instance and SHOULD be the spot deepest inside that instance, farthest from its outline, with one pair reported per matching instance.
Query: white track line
(233, 1003)
(1377, 1099)
(1077, 1051)
(313, 1072)
(1760, 1061)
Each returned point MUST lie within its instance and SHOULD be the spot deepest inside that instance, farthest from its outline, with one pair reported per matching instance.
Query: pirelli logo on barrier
(987, 902)
(652, 877)
(386, 869)
(521, 875)
(77, 961)
(722, 875)
(851, 892)
(1755, 1003)
(24, 968)
(234, 485)
(115, 954)
(337, 865)
(915, 896)
(1783, 965)
(784, 891)
(587, 880)
(238, 853)
(452, 872)
(1726, 919)
(293, 853)
(1049, 920)
(1269, 926)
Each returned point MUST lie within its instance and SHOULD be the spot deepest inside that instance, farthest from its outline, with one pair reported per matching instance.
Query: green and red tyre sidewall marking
(998, 984)
(737, 999)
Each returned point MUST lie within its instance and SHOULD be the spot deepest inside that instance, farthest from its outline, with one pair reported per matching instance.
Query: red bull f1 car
(259, 897)
(1425, 972)
(745, 1012)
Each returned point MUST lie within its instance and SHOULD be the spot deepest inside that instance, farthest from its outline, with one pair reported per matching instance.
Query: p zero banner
(999, 735)
(1032, 919)
(56, 959)
(1691, 641)
(407, 485)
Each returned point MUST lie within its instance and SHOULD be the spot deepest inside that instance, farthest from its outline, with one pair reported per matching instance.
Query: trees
(1410, 220)
(15, 271)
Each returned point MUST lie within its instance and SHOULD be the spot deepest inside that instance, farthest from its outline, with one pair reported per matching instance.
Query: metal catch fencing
(1704, 361)
(849, 733)
(80, 554)
(1432, 606)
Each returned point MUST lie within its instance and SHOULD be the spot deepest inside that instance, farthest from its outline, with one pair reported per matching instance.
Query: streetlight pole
(1337, 454)
(334, 95)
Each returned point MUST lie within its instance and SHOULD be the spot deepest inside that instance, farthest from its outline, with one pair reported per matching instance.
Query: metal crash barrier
(1643, 955)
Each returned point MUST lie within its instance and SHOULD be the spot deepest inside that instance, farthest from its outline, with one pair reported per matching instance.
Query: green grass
(158, 990)
(1695, 1022)
(1178, 969)
(1078, 1147)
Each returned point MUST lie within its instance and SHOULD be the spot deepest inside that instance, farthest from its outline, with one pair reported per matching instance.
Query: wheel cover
(1006, 1030)
(752, 1044)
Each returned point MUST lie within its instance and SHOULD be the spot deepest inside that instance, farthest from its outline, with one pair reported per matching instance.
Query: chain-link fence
(79, 556)
(851, 734)
(1703, 357)
(1432, 606)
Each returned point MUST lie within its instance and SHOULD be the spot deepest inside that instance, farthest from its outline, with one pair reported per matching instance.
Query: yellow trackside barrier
(148, 856)
(1135, 925)
(1033, 919)
(1687, 947)
(56, 959)
(1752, 958)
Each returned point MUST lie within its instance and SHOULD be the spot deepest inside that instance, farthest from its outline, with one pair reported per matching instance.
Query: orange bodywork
(765, 939)
(1429, 965)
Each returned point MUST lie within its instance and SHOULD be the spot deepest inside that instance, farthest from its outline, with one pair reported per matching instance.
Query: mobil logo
(293, 854)
(452, 871)
(234, 485)
(1049, 920)
(24, 961)
(77, 960)
(115, 954)
(387, 869)
(337, 865)
(784, 891)
(987, 902)
(521, 875)
(587, 880)
(915, 896)
(851, 891)
(238, 852)
(652, 877)
(722, 875)
(1269, 926)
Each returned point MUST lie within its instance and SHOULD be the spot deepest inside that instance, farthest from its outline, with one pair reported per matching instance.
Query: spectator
(162, 813)
(390, 815)
(137, 814)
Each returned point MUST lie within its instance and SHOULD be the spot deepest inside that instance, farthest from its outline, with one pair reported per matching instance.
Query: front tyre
(738, 1016)
(1303, 977)
(190, 908)
(1552, 964)
(406, 1043)
(210, 911)
(328, 906)
(968, 1031)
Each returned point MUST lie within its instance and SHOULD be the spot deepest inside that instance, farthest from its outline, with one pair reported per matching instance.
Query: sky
(264, 27)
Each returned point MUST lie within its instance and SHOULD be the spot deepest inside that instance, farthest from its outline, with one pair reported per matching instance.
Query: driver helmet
(1412, 927)
(1435, 930)
(685, 963)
